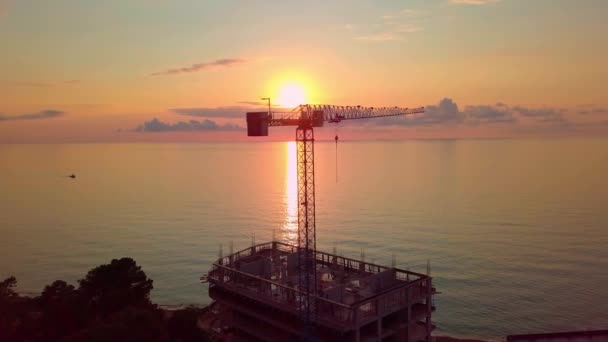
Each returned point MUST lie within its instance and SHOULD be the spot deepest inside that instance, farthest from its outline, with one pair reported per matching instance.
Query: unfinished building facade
(257, 298)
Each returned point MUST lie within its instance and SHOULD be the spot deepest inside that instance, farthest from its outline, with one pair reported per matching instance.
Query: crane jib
(317, 115)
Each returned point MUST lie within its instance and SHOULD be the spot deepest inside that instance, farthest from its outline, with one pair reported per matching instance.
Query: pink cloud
(224, 62)
(473, 2)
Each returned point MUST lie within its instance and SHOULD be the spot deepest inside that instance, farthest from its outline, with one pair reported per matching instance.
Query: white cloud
(392, 27)
(378, 37)
(404, 13)
(473, 2)
(406, 28)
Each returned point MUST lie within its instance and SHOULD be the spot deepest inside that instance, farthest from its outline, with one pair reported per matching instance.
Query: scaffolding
(259, 296)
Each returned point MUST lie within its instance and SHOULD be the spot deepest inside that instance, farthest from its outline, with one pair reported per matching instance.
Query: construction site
(282, 292)
(256, 289)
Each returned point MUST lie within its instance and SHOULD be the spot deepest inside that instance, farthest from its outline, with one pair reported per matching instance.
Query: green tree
(7, 286)
(62, 310)
(8, 322)
(183, 326)
(112, 287)
(16, 319)
(128, 325)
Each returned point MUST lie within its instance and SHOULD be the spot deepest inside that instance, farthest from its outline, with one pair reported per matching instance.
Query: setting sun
(291, 95)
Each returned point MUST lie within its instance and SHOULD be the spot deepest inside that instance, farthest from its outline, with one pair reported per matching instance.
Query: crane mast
(305, 118)
(307, 241)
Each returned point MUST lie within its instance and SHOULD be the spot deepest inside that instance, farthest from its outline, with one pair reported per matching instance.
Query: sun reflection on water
(290, 199)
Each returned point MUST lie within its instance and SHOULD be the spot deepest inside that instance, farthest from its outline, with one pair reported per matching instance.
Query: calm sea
(516, 231)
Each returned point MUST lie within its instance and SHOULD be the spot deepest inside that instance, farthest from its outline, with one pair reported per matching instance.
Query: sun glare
(290, 198)
(291, 95)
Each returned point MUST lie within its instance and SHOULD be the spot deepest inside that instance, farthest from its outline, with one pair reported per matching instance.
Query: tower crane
(305, 118)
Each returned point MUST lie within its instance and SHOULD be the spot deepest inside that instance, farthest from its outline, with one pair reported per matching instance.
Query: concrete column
(356, 322)
(408, 315)
(429, 296)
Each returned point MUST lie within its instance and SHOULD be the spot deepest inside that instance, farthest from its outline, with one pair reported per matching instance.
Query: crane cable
(336, 139)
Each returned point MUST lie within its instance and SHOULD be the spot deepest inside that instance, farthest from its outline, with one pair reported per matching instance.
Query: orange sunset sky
(188, 70)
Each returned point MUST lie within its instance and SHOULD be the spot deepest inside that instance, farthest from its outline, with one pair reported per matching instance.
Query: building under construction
(259, 299)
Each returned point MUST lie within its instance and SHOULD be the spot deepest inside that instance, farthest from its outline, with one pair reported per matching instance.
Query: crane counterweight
(257, 124)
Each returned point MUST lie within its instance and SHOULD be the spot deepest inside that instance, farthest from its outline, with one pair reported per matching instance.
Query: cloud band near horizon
(224, 62)
(155, 125)
(45, 114)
